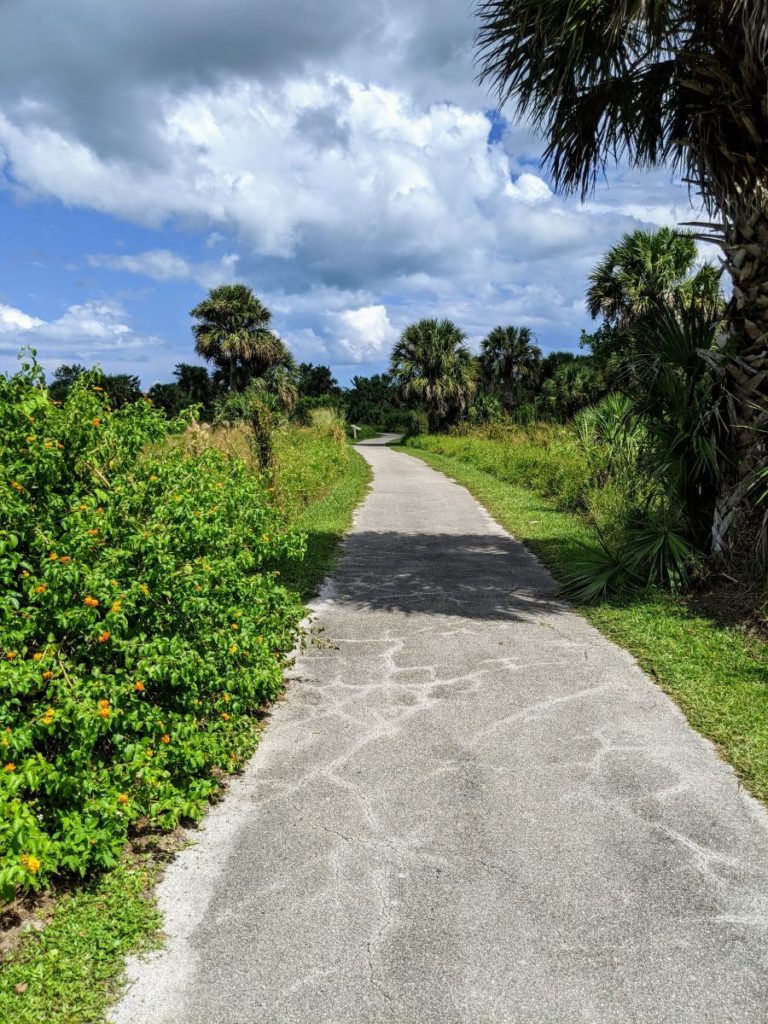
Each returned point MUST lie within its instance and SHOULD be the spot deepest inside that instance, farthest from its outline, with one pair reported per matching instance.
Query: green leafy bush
(143, 624)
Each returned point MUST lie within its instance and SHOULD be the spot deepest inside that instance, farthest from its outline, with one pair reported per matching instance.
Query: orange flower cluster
(91, 602)
(41, 589)
(48, 716)
(16, 485)
(103, 637)
(165, 738)
(123, 798)
(32, 864)
(104, 709)
(10, 655)
(10, 767)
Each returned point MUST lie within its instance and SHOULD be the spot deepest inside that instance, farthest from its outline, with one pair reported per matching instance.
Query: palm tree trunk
(746, 259)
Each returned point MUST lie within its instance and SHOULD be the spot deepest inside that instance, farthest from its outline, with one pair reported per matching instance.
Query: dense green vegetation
(70, 972)
(681, 84)
(177, 537)
(143, 625)
(716, 673)
(144, 619)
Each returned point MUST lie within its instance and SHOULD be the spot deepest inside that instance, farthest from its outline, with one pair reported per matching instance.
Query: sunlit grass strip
(716, 674)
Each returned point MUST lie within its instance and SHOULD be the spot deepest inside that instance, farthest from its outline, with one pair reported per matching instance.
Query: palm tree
(645, 273)
(509, 359)
(572, 386)
(431, 364)
(233, 332)
(644, 269)
(681, 83)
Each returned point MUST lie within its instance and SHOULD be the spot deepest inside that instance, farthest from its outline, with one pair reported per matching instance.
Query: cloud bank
(346, 166)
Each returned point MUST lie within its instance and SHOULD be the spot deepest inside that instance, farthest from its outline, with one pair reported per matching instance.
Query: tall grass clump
(545, 457)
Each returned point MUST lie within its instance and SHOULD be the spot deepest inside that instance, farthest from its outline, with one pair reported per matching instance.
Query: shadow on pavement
(473, 576)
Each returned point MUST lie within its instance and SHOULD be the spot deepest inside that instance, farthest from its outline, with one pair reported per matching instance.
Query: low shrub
(143, 624)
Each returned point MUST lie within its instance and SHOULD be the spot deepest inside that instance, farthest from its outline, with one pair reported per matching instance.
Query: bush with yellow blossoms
(142, 625)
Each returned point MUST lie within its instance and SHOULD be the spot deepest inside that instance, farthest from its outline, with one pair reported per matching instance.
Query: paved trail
(470, 809)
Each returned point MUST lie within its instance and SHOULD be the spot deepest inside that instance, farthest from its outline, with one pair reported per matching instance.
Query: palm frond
(648, 81)
(597, 574)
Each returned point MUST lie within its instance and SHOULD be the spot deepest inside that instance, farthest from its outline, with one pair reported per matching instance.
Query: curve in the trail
(470, 807)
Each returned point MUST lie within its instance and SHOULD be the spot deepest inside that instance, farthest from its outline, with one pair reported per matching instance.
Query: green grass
(325, 522)
(715, 673)
(73, 968)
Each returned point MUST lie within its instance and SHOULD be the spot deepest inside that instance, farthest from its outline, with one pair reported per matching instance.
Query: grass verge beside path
(325, 522)
(716, 674)
(70, 972)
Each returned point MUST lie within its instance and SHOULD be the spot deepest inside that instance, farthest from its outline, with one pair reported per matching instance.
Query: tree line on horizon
(434, 381)
(648, 379)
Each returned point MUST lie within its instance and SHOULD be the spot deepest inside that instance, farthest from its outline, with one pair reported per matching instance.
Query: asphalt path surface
(470, 808)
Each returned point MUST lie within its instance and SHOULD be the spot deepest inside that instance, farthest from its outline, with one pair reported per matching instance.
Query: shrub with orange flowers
(140, 701)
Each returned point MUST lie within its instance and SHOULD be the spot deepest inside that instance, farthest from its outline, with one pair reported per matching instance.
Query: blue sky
(350, 171)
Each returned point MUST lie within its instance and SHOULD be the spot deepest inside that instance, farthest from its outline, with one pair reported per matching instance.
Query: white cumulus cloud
(164, 265)
(88, 332)
(364, 333)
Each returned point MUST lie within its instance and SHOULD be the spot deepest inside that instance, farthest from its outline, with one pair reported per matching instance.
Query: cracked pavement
(470, 808)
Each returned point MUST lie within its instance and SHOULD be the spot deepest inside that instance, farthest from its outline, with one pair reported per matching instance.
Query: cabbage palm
(572, 386)
(680, 83)
(509, 359)
(645, 268)
(232, 331)
(432, 365)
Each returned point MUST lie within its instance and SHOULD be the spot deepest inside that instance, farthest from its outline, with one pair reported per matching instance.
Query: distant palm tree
(571, 387)
(432, 365)
(680, 83)
(647, 268)
(233, 332)
(509, 360)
